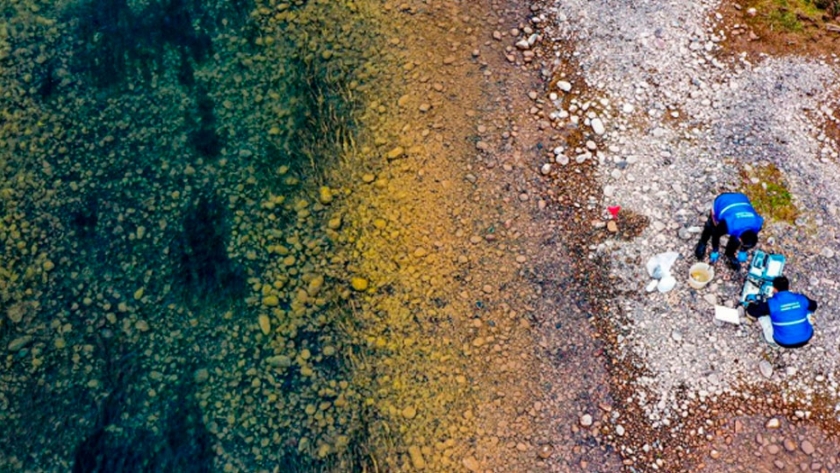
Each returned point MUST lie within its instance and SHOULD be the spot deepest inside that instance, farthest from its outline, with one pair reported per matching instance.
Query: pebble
(773, 449)
(773, 423)
(265, 324)
(417, 460)
(612, 227)
(545, 451)
(325, 195)
(807, 447)
(597, 126)
(279, 361)
(142, 326)
(409, 412)
(564, 86)
(395, 153)
(765, 368)
(16, 312)
(789, 444)
(586, 420)
(18, 343)
(470, 463)
(201, 375)
(359, 284)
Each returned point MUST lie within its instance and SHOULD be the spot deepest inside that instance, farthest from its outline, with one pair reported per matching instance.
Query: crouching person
(785, 317)
(732, 214)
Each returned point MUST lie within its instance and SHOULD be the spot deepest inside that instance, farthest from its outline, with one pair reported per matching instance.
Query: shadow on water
(117, 43)
(205, 270)
(204, 138)
(115, 444)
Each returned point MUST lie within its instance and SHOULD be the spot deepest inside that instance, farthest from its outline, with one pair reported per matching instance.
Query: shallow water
(174, 285)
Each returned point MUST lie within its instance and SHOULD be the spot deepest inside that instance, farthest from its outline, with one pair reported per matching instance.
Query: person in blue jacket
(732, 214)
(785, 316)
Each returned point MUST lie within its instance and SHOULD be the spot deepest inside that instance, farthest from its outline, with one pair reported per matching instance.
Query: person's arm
(812, 304)
(758, 309)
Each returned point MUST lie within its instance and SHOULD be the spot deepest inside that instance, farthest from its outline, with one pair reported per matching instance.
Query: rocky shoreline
(668, 122)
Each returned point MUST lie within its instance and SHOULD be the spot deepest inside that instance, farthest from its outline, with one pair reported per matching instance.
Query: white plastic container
(700, 274)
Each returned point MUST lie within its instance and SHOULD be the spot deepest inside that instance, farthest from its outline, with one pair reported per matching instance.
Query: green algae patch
(766, 187)
(791, 16)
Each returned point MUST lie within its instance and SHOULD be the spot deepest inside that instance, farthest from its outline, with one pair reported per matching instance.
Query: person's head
(748, 239)
(781, 284)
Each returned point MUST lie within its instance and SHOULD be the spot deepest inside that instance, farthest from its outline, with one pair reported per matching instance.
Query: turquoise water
(166, 277)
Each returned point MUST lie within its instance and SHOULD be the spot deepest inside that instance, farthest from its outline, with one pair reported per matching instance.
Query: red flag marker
(614, 210)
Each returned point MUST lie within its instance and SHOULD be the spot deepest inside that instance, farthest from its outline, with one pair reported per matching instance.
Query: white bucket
(700, 274)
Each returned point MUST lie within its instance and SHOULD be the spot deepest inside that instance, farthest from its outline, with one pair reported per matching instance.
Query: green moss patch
(767, 189)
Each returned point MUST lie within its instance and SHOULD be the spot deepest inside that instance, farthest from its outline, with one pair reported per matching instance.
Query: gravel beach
(675, 118)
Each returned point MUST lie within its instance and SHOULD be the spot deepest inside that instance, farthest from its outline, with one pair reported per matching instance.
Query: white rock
(627, 108)
(598, 126)
(564, 86)
(766, 368)
(651, 285)
(532, 40)
(546, 168)
(586, 420)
